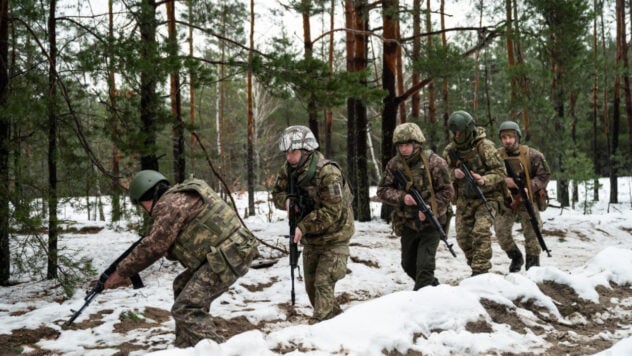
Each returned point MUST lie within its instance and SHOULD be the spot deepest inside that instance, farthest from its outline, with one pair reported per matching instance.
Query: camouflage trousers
(473, 233)
(194, 291)
(322, 268)
(418, 255)
(503, 227)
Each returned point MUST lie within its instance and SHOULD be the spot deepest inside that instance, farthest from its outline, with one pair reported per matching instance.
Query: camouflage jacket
(329, 216)
(538, 170)
(481, 157)
(171, 214)
(392, 193)
(191, 225)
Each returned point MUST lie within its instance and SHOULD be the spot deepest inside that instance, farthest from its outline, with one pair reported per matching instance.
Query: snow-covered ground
(578, 302)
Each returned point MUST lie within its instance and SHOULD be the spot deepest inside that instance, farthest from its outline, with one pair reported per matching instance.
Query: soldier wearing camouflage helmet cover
(473, 221)
(428, 173)
(193, 225)
(530, 164)
(326, 225)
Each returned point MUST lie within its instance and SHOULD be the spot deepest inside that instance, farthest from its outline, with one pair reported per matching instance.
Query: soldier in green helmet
(530, 165)
(325, 225)
(428, 173)
(474, 209)
(193, 225)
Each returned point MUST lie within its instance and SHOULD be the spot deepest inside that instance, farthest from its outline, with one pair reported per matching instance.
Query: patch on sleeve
(335, 190)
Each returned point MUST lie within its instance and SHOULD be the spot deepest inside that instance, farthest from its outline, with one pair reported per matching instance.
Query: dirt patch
(369, 263)
(14, 344)
(94, 319)
(261, 286)
(228, 328)
(502, 314)
(478, 327)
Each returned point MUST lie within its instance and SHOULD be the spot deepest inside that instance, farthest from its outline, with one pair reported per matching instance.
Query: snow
(381, 312)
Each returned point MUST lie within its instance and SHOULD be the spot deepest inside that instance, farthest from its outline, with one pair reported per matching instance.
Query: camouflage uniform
(473, 221)
(419, 240)
(539, 176)
(193, 225)
(327, 227)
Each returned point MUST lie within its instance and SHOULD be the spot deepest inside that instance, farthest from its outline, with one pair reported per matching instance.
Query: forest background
(88, 98)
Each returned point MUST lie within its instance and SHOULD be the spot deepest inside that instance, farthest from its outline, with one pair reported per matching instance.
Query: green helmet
(464, 123)
(510, 125)
(298, 138)
(143, 182)
(408, 132)
(461, 121)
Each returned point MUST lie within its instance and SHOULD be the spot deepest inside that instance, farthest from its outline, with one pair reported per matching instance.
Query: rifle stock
(470, 180)
(424, 208)
(528, 205)
(137, 282)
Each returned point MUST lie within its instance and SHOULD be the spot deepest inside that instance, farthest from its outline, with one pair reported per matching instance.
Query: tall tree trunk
(5, 134)
(416, 55)
(179, 165)
(351, 8)
(329, 115)
(616, 113)
(356, 17)
(523, 85)
(594, 106)
(511, 61)
(148, 82)
(605, 113)
(432, 111)
(192, 80)
(251, 119)
(52, 145)
(116, 155)
(400, 78)
(389, 112)
(306, 7)
(626, 78)
(476, 65)
(444, 90)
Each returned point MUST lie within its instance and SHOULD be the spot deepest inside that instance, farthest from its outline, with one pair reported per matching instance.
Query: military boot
(516, 260)
(532, 261)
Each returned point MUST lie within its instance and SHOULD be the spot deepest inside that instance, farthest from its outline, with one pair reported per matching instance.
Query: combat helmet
(143, 182)
(510, 125)
(463, 122)
(298, 137)
(408, 132)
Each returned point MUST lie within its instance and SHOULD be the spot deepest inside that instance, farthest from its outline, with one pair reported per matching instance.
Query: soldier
(474, 211)
(429, 174)
(193, 225)
(325, 223)
(531, 165)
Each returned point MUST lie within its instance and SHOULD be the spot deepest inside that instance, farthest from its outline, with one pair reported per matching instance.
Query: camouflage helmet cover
(298, 137)
(143, 182)
(408, 132)
(509, 125)
(461, 121)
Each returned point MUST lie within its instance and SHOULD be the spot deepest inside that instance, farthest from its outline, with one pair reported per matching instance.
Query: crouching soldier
(193, 225)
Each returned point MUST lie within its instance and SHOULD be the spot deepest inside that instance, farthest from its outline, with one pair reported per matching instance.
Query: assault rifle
(528, 205)
(423, 207)
(470, 180)
(294, 217)
(137, 282)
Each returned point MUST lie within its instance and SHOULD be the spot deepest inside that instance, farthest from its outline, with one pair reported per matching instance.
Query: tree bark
(52, 145)
(5, 134)
(148, 82)
(251, 119)
(179, 162)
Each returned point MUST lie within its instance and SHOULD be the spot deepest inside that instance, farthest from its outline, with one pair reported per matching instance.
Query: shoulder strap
(433, 199)
(526, 164)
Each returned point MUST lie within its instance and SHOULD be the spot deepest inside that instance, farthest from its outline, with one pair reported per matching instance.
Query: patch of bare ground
(502, 314)
(15, 343)
(592, 324)
(369, 263)
(260, 286)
